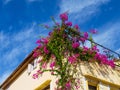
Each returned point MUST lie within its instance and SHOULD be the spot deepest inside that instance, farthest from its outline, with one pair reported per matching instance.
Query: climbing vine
(62, 51)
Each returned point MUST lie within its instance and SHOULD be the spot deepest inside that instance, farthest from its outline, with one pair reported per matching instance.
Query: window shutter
(30, 68)
(85, 85)
(103, 86)
(51, 85)
(35, 63)
(108, 87)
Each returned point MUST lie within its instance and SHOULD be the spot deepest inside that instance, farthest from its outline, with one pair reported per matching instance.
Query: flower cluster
(63, 50)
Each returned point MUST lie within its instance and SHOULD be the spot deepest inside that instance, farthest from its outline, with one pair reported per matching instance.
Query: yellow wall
(105, 73)
(26, 82)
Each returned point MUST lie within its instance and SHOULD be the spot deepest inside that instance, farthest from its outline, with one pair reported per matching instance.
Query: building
(92, 77)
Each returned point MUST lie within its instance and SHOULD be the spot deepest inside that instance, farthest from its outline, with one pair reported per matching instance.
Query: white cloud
(81, 9)
(6, 1)
(4, 76)
(118, 50)
(109, 35)
(30, 1)
(4, 40)
(16, 45)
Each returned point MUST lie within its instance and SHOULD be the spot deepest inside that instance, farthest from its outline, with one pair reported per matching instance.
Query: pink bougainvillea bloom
(97, 56)
(75, 45)
(94, 48)
(111, 63)
(93, 31)
(36, 54)
(40, 46)
(52, 56)
(68, 85)
(35, 76)
(57, 81)
(77, 87)
(85, 35)
(85, 48)
(82, 39)
(52, 73)
(45, 50)
(52, 65)
(72, 59)
(76, 55)
(38, 41)
(45, 40)
(44, 65)
(39, 72)
(64, 16)
(50, 33)
(76, 27)
(69, 23)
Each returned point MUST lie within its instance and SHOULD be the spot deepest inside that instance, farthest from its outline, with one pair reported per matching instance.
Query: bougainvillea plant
(62, 51)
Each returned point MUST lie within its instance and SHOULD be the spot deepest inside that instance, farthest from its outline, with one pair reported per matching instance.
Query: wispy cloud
(16, 46)
(109, 35)
(30, 1)
(6, 1)
(82, 9)
(118, 50)
(4, 76)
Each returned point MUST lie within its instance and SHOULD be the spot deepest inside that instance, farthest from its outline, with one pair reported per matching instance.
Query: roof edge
(17, 71)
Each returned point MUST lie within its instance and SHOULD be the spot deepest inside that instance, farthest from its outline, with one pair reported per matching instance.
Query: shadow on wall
(100, 71)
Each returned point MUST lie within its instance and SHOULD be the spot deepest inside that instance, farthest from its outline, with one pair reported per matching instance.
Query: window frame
(43, 85)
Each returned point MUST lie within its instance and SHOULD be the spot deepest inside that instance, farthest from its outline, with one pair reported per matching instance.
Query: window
(90, 87)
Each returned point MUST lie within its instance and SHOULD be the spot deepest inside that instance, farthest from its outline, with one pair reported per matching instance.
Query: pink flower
(76, 27)
(72, 59)
(45, 50)
(36, 54)
(69, 23)
(85, 48)
(35, 76)
(77, 87)
(45, 40)
(75, 45)
(50, 33)
(111, 63)
(52, 65)
(44, 65)
(97, 56)
(93, 31)
(64, 16)
(85, 35)
(39, 72)
(94, 48)
(38, 41)
(68, 85)
(57, 81)
(40, 46)
(53, 56)
(82, 39)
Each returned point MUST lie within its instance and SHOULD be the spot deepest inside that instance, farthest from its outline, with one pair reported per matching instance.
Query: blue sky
(20, 19)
